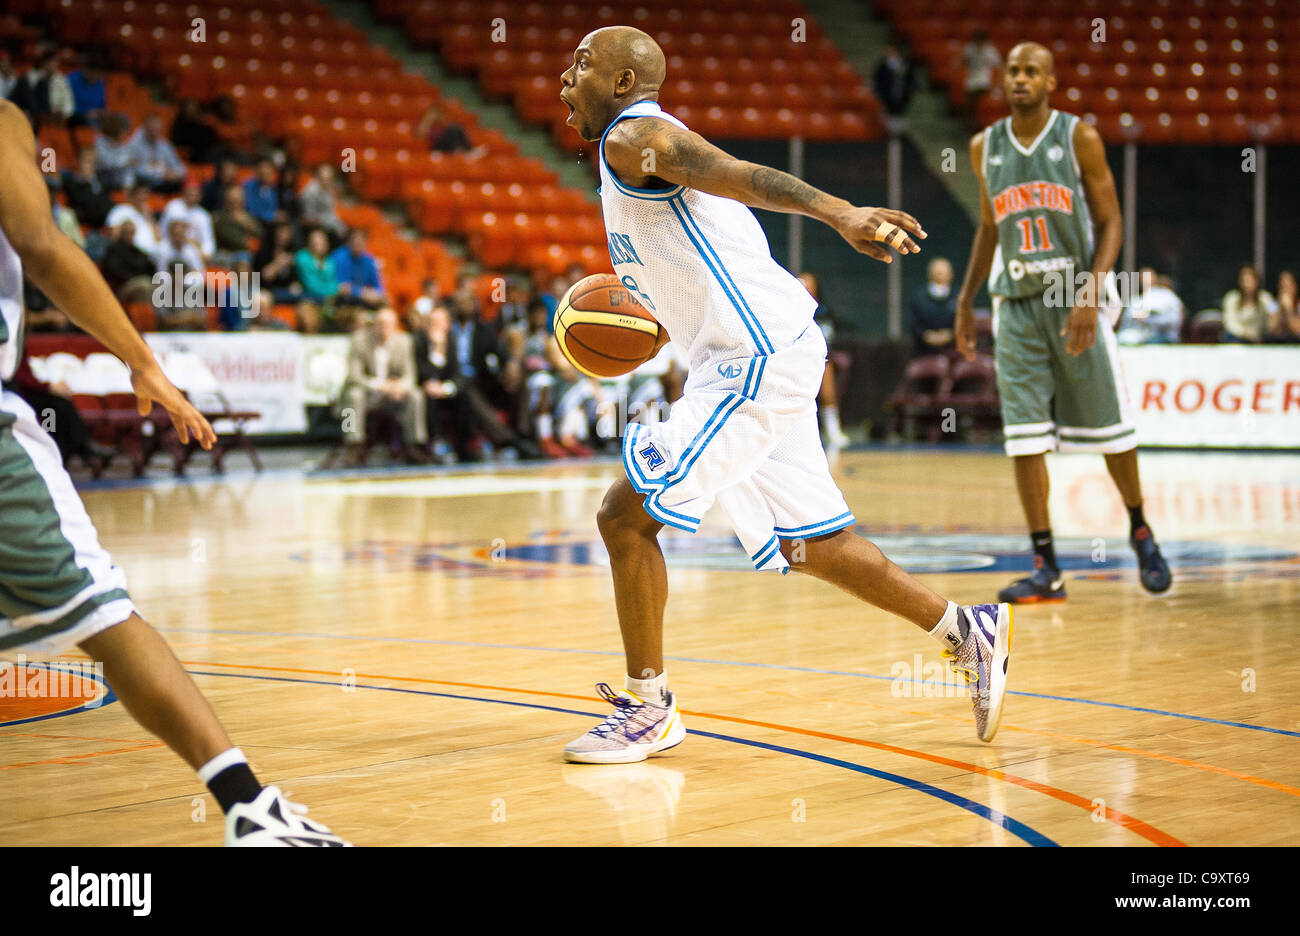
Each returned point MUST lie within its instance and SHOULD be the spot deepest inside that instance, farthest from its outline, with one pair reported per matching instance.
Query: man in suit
(438, 376)
(381, 375)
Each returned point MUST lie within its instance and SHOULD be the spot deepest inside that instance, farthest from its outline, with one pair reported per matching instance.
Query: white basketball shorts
(745, 434)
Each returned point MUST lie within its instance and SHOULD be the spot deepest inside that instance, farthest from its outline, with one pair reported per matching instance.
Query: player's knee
(620, 512)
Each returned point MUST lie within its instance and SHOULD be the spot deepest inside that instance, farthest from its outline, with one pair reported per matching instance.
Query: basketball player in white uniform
(59, 588)
(744, 433)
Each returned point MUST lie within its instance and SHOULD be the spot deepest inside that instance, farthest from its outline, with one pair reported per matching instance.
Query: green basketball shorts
(58, 586)
(1052, 401)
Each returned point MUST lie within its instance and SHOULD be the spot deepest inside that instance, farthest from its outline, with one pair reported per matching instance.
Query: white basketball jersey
(701, 264)
(11, 307)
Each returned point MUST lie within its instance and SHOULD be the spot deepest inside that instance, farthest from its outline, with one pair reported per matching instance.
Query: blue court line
(777, 666)
(1014, 826)
(108, 698)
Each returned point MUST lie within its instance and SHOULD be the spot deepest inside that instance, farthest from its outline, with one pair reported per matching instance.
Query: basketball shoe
(633, 732)
(271, 821)
(1042, 585)
(982, 658)
(1153, 571)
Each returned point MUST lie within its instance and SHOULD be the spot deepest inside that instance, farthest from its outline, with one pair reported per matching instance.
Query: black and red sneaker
(1043, 585)
(1153, 571)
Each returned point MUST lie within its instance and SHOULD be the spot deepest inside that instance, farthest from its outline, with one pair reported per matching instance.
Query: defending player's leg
(645, 720)
(1045, 583)
(59, 588)
(976, 639)
(1153, 570)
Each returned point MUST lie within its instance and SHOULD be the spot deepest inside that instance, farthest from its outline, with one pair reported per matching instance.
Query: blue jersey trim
(729, 281)
(767, 552)
(647, 194)
(668, 517)
(816, 529)
(741, 310)
(640, 482)
(725, 409)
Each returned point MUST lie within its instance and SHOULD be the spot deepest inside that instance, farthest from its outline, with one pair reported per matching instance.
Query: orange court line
(1130, 823)
(77, 758)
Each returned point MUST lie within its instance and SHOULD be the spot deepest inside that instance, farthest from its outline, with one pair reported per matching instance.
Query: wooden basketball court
(407, 653)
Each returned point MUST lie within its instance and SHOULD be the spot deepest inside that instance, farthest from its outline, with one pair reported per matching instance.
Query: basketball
(603, 330)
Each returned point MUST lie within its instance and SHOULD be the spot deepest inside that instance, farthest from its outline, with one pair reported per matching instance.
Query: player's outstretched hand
(963, 328)
(1080, 329)
(151, 386)
(866, 229)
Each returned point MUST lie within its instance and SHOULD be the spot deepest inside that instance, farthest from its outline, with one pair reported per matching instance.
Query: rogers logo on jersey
(1026, 195)
(1019, 268)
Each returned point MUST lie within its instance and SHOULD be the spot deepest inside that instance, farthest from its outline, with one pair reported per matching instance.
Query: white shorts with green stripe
(58, 586)
(744, 434)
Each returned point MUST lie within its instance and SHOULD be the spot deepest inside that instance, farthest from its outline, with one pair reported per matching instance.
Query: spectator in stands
(828, 407)
(261, 195)
(9, 76)
(318, 202)
(1247, 309)
(1155, 316)
(178, 258)
(478, 356)
(446, 136)
(192, 133)
(314, 268)
(213, 196)
(445, 411)
(274, 261)
(89, 95)
(198, 223)
(287, 190)
(87, 195)
(114, 159)
(514, 310)
(246, 307)
(233, 227)
(382, 375)
(155, 161)
(429, 297)
(553, 294)
(136, 209)
(127, 268)
(1285, 323)
(44, 92)
(357, 273)
(547, 377)
(894, 83)
(65, 217)
(980, 59)
(933, 310)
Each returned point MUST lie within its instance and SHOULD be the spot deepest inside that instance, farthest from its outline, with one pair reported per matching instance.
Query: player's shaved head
(1027, 53)
(627, 47)
(613, 68)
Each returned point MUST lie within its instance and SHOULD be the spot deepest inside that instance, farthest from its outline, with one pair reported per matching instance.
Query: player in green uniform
(1044, 189)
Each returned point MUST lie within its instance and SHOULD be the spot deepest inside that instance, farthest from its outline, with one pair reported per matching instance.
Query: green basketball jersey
(11, 308)
(1039, 206)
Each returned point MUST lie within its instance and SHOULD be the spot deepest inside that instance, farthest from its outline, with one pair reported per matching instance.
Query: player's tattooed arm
(981, 257)
(644, 149)
(64, 272)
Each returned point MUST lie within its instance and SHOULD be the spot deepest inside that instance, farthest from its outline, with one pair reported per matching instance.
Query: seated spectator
(382, 375)
(66, 218)
(274, 261)
(514, 310)
(318, 202)
(213, 194)
(198, 223)
(261, 195)
(155, 161)
(357, 273)
(1284, 326)
(245, 307)
(479, 362)
(87, 195)
(43, 93)
(828, 407)
(136, 210)
(429, 297)
(180, 268)
(114, 158)
(547, 379)
(894, 83)
(933, 310)
(233, 228)
(89, 95)
(981, 61)
(287, 190)
(445, 136)
(9, 76)
(192, 133)
(314, 268)
(1155, 316)
(127, 268)
(1247, 309)
(446, 415)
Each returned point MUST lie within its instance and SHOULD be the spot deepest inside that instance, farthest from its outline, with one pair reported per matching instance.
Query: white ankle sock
(544, 428)
(948, 630)
(653, 690)
(831, 421)
(227, 758)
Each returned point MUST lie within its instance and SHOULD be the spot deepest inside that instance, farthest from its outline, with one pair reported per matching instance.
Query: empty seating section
(735, 69)
(297, 72)
(1188, 71)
